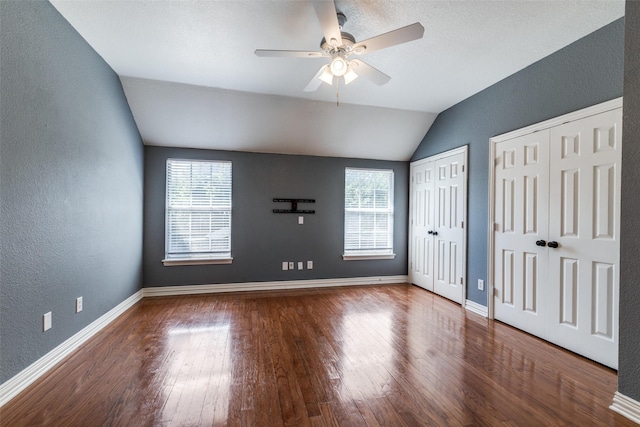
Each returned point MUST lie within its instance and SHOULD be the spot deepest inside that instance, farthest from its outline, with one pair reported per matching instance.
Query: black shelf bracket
(294, 206)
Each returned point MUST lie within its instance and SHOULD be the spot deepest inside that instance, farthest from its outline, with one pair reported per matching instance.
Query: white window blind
(368, 212)
(198, 210)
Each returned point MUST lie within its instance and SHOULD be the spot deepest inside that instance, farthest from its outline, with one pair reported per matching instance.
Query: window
(198, 212)
(368, 214)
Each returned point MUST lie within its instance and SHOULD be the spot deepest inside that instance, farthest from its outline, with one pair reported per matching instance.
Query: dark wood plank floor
(373, 355)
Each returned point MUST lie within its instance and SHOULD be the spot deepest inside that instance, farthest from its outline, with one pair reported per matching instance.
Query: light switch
(300, 220)
(46, 321)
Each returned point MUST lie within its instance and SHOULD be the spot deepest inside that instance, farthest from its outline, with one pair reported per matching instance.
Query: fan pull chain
(337, 91)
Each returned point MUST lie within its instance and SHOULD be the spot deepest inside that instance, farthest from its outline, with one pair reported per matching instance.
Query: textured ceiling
(467, 46)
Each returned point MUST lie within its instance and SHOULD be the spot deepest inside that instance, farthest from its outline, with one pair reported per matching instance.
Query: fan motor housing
(347, 42)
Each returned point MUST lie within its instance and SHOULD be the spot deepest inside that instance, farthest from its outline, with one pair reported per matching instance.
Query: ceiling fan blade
(315, 82)
(328, 17)
(392, 38)
(367, 71)
(289, 53)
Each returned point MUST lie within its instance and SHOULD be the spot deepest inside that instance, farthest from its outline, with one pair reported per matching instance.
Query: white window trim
(365, 257)
(374, 254)
(210, 260)
(190, 261)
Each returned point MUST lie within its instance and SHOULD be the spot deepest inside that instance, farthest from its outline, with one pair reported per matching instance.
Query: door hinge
(462, 226)
(462, 168)
(461, 281)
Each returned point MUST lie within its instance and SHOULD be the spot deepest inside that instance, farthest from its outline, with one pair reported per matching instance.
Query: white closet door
(585, 158)
(449, 232)
(421, 262)
(437, 206)
(521, 226)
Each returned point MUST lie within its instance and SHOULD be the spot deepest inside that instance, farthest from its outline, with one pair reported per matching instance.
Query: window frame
(371, 253)
(211, 258)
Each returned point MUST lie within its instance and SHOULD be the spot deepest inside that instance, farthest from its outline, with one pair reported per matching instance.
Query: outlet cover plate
(78, 304)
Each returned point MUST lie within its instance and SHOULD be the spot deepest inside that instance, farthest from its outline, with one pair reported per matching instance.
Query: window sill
(363, 257)
(191, 261)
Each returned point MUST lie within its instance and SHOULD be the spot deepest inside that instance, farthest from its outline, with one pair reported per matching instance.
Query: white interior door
(449, 232)
(521, 225)
(585, 158)
(556, 231)
(421, 260)
(437, 249)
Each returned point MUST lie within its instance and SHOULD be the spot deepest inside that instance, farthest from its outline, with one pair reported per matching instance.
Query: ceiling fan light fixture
(349, 76)
(326, 76)
(338, 66)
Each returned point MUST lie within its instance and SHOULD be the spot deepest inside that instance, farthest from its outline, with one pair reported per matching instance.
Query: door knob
(541, 243)
(429, 232)
(553, 244)
(435, 233)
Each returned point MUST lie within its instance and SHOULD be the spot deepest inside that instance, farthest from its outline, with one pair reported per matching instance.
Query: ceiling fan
(341, 47)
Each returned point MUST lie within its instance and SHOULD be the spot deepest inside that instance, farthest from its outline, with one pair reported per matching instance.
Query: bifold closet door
(437, 238)
(557, 234)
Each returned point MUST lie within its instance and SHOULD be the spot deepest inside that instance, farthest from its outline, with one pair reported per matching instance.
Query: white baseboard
(10, 388)
(626, 406)
(267, 286)
(474, 307)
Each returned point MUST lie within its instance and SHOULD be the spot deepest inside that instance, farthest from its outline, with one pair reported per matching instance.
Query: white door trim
(575, 115)
(460, 150)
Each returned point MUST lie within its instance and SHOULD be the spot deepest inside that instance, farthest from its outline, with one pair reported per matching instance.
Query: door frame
(464, 149)
(491, 226)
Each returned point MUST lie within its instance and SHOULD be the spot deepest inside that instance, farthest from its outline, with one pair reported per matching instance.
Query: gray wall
(71, 164)
(261, 239)
(629, 365)
(584, 73)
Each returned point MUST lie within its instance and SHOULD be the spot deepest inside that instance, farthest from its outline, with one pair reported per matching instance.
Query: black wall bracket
(294, 206)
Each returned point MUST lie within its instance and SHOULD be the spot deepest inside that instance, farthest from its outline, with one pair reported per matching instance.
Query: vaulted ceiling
(192, 80)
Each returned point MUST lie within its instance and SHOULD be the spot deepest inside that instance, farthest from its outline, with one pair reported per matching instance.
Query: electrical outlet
(285, 265)
(300, 220)
(78, 304)
(480, 285)
(300, 265)
(309, 265)
(291, 267)
(46, 321)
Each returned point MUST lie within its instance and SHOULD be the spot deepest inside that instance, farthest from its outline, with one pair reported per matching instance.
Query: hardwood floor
(390, 355)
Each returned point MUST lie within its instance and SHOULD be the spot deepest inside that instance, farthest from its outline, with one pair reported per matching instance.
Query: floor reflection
(198, 374)
(368, 353)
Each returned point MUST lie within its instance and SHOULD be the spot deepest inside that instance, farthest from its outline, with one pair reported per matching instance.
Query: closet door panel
(521, 212)
(449, 232)
(422, 206)
(585, 158)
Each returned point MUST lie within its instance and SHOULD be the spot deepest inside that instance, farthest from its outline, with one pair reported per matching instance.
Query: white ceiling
(192, 79)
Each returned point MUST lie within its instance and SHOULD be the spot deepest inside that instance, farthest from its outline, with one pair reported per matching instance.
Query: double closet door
(437, 239)
(557, 234)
